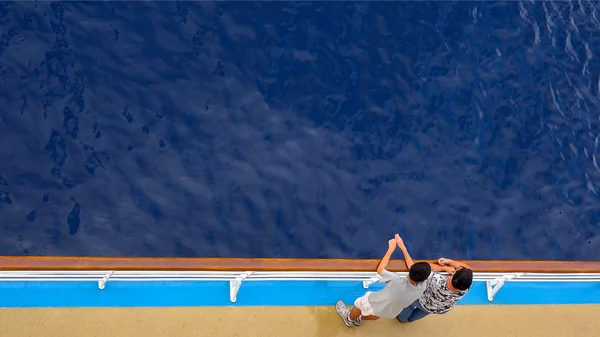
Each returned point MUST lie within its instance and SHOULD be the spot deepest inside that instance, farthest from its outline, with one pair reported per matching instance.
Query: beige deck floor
(471, 321)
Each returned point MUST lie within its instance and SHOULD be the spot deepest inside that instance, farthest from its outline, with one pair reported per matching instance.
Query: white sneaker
(343, 311)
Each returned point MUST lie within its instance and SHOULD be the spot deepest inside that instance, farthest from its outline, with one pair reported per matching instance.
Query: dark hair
(462, 278)
(419, 271)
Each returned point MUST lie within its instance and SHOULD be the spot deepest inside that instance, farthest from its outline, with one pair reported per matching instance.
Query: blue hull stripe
(260, 293)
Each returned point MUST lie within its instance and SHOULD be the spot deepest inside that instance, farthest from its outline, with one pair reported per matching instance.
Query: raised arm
(409, 261)
(386, 258)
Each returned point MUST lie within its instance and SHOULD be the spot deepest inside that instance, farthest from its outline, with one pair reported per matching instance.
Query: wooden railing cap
(262, 264)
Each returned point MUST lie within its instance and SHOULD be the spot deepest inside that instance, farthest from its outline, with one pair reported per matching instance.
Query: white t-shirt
(398, 294)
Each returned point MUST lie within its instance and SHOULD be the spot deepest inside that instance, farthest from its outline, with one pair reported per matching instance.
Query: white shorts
(362, 303)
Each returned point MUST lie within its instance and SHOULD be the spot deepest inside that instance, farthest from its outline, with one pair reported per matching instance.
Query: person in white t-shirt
(398, 293)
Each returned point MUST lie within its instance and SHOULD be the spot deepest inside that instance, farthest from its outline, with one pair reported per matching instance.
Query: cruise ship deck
(320, 321)
(44, 296)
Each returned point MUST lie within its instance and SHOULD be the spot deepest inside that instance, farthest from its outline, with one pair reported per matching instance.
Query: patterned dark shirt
(437, 298)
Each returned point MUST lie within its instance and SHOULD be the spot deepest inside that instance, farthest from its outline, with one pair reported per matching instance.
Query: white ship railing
(494, 281)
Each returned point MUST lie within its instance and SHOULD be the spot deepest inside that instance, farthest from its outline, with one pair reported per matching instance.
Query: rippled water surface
(288, 129)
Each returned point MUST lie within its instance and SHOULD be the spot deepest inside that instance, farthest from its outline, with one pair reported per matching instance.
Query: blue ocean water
(300, 129)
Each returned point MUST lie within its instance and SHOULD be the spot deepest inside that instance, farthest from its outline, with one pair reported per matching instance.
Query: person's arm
(386, 258)
(451, 263)
(440, 268)
(407, 259)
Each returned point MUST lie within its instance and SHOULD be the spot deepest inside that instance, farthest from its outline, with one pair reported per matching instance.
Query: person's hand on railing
(444, 261)
(444, 265)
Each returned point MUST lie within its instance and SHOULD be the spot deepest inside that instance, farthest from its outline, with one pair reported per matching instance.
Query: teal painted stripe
(258, 293)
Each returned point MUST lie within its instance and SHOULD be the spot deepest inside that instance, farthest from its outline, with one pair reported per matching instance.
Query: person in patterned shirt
(442, 292)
